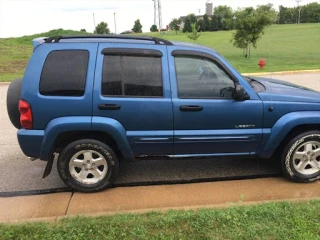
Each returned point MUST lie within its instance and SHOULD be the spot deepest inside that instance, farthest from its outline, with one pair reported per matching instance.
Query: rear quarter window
(64, 73)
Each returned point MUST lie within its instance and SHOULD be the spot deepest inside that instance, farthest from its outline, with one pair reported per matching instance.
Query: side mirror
(240, 94)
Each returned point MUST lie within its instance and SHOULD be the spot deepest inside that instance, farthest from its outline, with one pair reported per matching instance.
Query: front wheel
(301, 158)
(88, 165)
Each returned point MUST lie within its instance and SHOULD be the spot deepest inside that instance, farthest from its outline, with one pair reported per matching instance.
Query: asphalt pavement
(17, 173)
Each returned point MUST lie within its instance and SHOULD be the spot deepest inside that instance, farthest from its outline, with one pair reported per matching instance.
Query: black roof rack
(154, 39)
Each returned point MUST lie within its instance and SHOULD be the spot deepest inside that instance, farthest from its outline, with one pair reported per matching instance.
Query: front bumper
(30, 142)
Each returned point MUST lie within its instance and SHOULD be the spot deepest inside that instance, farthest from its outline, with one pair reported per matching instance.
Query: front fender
(117, 131)
(60, 125)
(284, 125)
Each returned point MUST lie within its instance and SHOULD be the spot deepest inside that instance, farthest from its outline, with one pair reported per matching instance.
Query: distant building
(209, 8)
(209, 12)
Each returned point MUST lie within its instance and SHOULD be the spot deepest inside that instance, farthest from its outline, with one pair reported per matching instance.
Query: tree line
(310, 13)
(225, 18)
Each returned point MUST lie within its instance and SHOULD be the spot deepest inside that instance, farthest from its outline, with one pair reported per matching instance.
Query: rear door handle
(109, 106)
(191, 108)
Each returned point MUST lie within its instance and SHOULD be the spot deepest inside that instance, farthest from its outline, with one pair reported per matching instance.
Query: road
(17, 173)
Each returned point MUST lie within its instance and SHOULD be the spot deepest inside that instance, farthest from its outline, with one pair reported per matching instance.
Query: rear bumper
(30, 142)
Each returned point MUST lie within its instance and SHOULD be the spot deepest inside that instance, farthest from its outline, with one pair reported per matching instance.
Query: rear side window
(64, 73)
(139, 76)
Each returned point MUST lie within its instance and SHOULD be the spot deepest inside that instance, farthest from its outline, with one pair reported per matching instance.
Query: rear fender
(117, 131)
(58, 126)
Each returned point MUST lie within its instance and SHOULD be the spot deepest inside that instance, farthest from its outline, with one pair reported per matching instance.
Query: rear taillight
(25, 114)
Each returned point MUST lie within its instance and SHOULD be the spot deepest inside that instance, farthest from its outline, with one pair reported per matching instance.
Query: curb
(160, 210)
(283, 73)
(142, 199)
(4, 83)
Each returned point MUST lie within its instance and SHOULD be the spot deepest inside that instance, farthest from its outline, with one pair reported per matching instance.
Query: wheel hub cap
(88, 167)
(306, 158)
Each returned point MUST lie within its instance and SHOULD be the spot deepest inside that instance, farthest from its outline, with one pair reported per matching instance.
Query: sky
(26, 17)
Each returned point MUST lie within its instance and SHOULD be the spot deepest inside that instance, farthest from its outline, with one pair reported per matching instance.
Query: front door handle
(191, 108)
(109, 106)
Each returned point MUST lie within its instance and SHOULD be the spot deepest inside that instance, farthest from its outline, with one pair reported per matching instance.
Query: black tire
(287, 161)
(87, 144)
(13, 97)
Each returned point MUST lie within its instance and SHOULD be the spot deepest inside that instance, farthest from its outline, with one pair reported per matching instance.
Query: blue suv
(94, 101)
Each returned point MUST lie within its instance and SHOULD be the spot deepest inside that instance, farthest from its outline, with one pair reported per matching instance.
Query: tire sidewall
(288, 157)
(13, 98)
(72, 149)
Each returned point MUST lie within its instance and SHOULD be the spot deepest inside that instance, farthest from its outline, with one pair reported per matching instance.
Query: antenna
(157, 13)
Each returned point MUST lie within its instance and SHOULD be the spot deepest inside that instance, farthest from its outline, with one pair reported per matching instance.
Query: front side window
(64, 73)
(139, 76)
(201, 78)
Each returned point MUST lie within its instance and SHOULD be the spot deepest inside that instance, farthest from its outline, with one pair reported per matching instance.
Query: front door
(132, 86)
(207, 120)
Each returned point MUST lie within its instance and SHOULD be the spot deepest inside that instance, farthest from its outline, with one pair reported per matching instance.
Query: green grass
(284, 47)
(269, 221)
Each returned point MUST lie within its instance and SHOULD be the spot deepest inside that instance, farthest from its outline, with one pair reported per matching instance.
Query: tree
(154, 28)
(214, 24)
(190, 19)
(102, 28)
(269, 10)
(206, 23)
(137, 28)
(200, 25)
(83, 30)
(226, 15)
(175, 25)
(194, 35)
(310, 13)
(249, 29)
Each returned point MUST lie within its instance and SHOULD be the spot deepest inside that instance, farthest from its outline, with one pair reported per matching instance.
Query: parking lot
(19, 174)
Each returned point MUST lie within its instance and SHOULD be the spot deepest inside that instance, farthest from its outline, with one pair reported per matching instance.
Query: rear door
(132, 86)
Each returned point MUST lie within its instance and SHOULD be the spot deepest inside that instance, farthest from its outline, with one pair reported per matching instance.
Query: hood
(278, 90)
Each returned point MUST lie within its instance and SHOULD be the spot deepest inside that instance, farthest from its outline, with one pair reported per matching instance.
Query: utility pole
(157, 14)
(199, 11)
(299, 10)
(115, 24)
(160, 14)
(94, 22)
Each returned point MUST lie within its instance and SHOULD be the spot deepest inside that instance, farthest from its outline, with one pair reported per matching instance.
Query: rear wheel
(13, 98)
(301, 157)
(88, 165)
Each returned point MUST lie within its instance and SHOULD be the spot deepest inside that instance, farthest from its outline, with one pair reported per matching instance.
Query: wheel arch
(65, 138)
(288, 125)
(295, 131)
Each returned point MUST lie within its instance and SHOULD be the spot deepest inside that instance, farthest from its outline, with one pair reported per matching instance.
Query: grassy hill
(284, 47)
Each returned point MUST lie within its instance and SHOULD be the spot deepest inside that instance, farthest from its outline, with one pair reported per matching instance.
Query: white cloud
(24, 17)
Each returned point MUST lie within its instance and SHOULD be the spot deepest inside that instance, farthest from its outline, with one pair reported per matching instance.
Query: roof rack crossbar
(156, 40)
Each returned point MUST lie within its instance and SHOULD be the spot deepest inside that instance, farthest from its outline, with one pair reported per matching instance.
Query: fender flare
(117, 131)
(58, 126)
(66, 124)
(284, 125)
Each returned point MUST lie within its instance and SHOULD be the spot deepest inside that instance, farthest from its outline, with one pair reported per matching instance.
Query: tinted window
(64, 73)
(201, 78)
(132, 76)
